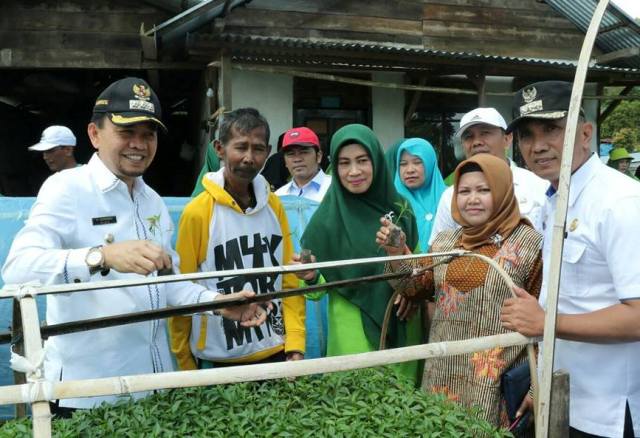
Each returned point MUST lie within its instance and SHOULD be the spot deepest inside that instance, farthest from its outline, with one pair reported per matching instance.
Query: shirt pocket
(573, 269)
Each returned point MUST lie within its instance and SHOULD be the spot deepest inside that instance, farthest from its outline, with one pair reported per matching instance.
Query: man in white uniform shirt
(483, 131)
(101, 221)
(302, 156)
(598, 325)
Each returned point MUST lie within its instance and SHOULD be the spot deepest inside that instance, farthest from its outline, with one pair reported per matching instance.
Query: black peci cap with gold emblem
(541, 100)
(129, 101)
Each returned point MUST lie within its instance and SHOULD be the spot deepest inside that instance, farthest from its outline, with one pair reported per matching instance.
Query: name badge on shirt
(104, 220)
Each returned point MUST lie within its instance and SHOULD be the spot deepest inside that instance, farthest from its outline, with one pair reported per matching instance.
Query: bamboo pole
(40, 412)
(18, 348)
(555, 262)
(236, 374)
(187, 309)
(18, 291)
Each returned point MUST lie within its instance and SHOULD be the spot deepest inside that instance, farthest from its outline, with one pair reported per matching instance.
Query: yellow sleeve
(293, 307)
(191, 245)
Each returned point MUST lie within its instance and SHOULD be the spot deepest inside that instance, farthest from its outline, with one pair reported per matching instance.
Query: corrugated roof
(620, 30)
(256, 44)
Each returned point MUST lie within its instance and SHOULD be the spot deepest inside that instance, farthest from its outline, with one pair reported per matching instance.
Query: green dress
(344, 227)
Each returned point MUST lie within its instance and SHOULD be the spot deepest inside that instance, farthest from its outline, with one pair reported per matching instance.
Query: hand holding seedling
(305, 256)
(383, 236)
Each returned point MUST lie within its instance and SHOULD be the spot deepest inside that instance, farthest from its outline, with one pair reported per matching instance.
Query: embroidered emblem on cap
(141, 91)
(531, 107)
(529, 94)
(141, 105)
(294, 134)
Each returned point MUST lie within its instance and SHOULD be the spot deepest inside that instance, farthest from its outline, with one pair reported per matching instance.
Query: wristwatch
(95, 260)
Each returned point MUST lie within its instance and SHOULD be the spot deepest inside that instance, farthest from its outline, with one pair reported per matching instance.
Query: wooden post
(414, 101)
(40, 411)
(211, 82)
(224, 83)
(557, 240)
(559, 415)
(18, 348)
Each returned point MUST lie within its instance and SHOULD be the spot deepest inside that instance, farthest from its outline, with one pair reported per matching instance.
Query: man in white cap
(56, 144)
(484, 131)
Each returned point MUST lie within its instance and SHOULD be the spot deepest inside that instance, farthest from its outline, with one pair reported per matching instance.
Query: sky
(631, 7)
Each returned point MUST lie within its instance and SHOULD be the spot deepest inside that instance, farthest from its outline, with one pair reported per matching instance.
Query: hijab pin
(496, 239)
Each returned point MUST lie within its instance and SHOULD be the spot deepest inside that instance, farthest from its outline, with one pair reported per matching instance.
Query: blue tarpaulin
(14, 212)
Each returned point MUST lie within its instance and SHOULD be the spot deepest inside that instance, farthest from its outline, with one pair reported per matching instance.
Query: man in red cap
(302, 156)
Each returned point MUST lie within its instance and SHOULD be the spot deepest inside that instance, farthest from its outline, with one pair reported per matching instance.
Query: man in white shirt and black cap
(57, 144)
(484, 131)
(598, 322)
(102, 222)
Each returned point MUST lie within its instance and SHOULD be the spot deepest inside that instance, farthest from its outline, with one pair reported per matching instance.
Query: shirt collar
(316, 181)
(579, 178)
(107, 181)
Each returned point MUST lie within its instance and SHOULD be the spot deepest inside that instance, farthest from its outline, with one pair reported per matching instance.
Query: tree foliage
(623, 123)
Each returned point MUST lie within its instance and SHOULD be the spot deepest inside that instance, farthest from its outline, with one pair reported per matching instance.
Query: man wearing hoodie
(237, 222)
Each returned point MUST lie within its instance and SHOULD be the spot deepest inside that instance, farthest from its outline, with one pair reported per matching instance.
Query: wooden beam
(617, 55)
(560, 396)
(211, 82)
(224, 83)
(613, 105)
(415, 99)
(481, 85)
(611, 28)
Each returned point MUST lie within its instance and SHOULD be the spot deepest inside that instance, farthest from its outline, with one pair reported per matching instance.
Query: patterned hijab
(424, 200)
(345, 226)
(506, 214)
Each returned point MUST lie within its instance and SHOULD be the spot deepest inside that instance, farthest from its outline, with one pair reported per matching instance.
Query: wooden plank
(516, 49)
(399, 9)
(516, 4)
(254, 18)
(70, 40)
(89, 59)
(40, 412)
(42, 20)
(560, 396)
(498, 15)
(104, 6)
(618, 55)
(500, 33)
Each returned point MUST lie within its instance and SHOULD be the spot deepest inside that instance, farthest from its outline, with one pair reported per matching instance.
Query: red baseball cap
(302, 136)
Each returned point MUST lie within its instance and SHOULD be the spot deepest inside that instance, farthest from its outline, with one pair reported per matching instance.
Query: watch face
(94, 257)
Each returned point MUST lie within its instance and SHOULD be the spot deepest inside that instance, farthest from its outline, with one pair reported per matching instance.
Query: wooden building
(404, 67)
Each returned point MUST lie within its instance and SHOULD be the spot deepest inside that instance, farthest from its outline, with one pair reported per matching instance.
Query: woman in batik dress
(466, 295)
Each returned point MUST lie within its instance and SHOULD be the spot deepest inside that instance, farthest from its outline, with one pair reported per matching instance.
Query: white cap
(489, 116)
(54, 136)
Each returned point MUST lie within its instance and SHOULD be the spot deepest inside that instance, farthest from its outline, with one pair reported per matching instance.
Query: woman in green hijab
(344, 227)
(211, 164)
